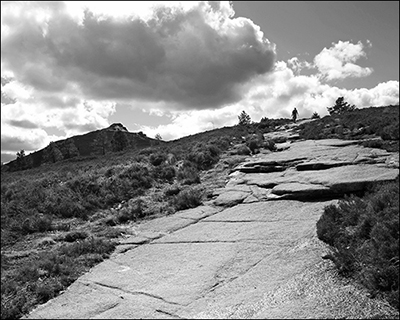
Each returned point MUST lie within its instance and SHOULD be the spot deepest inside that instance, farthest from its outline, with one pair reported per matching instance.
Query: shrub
(87, 246)
(188, 173)
(172, 190)
(189, 198)
(204, 155)
(243, 150)
(364, 235)
(132, 211)
(315, 116)
(254, 142)
(164, 172)
(75, 235)
(37, 223)
(390, 132)
(269, 144)
(157, 158)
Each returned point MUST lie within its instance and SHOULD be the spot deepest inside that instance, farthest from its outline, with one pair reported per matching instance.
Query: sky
(179, 68)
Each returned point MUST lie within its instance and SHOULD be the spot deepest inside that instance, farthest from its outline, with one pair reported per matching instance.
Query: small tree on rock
(315, 116)
(340, 107)
(244, 119)
(21, 159)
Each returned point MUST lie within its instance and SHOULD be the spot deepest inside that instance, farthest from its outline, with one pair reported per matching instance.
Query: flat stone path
(250, 252)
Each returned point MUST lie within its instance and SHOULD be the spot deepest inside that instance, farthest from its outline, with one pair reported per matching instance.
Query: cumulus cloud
(274, 95)
(337, 62)
(194, 55)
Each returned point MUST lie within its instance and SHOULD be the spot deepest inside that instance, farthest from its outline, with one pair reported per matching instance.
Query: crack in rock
(208, 241)
(129, 292)
(168, 314)
(107, 308)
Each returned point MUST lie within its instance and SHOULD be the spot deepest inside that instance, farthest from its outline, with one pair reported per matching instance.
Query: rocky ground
(250, 251)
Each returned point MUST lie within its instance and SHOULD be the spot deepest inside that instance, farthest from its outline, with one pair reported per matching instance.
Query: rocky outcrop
(315, 169)
(117, 127)
(240, 255)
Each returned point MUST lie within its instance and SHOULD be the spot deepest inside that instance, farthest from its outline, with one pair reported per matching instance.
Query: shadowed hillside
(100, 142)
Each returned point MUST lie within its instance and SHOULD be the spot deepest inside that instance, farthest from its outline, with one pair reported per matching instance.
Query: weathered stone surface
(301, 190)
(321, 165)
(239, 255)
(230, 198)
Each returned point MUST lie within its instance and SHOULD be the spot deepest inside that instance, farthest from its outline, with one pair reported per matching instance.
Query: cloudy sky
(176, 69)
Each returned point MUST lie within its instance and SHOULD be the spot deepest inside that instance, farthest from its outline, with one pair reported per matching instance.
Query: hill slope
(114, 138)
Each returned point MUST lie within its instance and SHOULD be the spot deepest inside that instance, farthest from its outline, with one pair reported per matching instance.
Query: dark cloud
(83, 128)
(195, 58)
(26, 124)
(6, 157)
(17, 143)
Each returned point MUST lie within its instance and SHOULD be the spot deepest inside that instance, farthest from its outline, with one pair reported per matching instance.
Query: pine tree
(340, 107)
(21, 159)
(244, 119)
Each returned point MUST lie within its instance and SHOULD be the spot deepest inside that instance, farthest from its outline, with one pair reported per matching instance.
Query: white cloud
(274, 96)
(337, 62)
(195, 54)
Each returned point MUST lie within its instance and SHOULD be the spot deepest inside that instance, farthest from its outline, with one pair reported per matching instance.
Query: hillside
(113, 138)
(61, 219)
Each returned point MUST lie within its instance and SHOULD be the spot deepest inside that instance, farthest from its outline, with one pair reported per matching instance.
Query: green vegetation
(315, 116)
(364, 236)
(340, 107)
(358, 124)
(244, 119)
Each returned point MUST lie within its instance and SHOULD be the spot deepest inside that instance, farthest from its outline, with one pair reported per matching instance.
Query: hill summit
(117, 127)
(114, 138)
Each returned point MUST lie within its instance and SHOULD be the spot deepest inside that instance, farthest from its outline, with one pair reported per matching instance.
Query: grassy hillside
(61, 218)
(366, 123)
(99, 142)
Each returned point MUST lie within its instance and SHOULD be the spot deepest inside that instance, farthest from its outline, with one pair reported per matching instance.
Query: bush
(188, 173)
(254, 142)
(243, 150)
(87, 246)
(37, 223)
(364, 235)
(157, 158)
(164, 172)
(75, 235)
(269, 144)
(189, 198)
(204, 155)
(172, 190)
(132, 211)
(315, 116)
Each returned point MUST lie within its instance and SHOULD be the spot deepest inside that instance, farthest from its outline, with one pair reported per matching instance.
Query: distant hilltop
(117, 127)
(114, 138)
